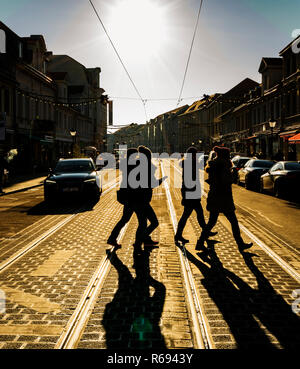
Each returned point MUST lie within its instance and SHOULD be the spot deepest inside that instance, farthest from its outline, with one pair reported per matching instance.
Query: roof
(174, 111)
(296, 40)
(197, 105)
(270, 62)
(241, 88)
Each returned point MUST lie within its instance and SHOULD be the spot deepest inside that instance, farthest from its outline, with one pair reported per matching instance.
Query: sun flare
(138, 27)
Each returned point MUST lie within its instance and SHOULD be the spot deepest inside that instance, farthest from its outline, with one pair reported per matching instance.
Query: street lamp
(73, 133)
(272, 124)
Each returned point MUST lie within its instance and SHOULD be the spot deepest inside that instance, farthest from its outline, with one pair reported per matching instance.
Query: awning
(251, 137)
(295, 139)
(287, 134)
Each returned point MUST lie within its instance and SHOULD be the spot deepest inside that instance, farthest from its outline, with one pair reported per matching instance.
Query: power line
(157, 99)
(120, 59)
(190, 53)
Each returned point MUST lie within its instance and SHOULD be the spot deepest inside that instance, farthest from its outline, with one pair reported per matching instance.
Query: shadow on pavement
(66, 206)
(240, 304)
(131, 320)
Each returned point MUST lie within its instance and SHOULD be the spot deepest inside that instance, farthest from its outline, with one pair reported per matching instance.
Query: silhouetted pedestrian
(143, 196)
(190, 186)
(125, 196)
(220, 199)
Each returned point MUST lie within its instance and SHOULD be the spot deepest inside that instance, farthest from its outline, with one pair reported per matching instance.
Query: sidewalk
(23, 183)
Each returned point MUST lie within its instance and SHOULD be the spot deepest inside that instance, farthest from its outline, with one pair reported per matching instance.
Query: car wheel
(47, 198)
(261, 186)
(247, 184)
(278, 190)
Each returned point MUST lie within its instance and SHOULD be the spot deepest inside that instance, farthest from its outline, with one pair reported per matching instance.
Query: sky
(153, 39)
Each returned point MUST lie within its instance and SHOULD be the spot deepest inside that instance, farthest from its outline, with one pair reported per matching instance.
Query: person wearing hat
(191, 194)
(220, 198)
(125, 196)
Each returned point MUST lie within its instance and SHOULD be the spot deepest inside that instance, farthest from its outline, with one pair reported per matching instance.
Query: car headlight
(50, 181)
(92, 180)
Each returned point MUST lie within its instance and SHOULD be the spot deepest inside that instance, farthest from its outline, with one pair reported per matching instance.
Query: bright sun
(138, 27)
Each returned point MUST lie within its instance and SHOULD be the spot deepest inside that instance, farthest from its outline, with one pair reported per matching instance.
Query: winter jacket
(220, 180)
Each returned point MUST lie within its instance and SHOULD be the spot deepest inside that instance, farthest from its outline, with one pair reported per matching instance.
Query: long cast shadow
(69, 206)
(240, 304)
(131, 320)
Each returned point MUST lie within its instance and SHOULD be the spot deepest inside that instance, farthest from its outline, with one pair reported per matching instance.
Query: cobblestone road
(143, 300)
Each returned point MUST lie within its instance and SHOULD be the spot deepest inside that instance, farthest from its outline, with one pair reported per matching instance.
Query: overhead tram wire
(120, 59)
(157, 99)
(190, 53)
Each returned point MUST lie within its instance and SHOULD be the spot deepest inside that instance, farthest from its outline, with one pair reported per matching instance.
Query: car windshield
(262, 164)
(292, 166)
(75, 166)
(243, 161)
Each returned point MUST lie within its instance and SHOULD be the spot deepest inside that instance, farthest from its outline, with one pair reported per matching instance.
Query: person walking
(142, 198)
(190, 175)
(125, 196)
(220, 198)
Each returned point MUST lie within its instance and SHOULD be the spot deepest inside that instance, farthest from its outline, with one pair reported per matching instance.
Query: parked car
(238, 163)
(283, 178)
(251, 172)
(73, 177)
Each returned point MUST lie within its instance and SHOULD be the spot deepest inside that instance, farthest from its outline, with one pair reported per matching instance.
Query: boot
(244, 246)
(148, 241)
(179, 238)
(113, 242)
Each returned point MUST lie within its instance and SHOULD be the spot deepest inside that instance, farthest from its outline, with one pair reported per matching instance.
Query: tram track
(278, 241)
(37, 241)
(75, 327)
(201, 330)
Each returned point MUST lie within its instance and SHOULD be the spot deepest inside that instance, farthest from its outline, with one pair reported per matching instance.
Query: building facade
(43, 97)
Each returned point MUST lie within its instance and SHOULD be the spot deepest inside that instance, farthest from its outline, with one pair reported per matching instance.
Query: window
(2, 42)
(292, 166)
(276, 167)
(20, 50)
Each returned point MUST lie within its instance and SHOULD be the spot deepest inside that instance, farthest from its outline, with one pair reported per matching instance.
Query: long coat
(220, 180)
(190, 186)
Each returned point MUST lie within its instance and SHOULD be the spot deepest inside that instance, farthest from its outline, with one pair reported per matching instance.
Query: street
(65, 287)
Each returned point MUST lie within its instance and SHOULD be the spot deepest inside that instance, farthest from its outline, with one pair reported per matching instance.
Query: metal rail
(285, 266)
(202, 336)
(81, 315)
(15, 257)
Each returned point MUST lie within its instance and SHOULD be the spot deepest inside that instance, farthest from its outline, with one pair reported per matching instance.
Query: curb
(21, 190)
